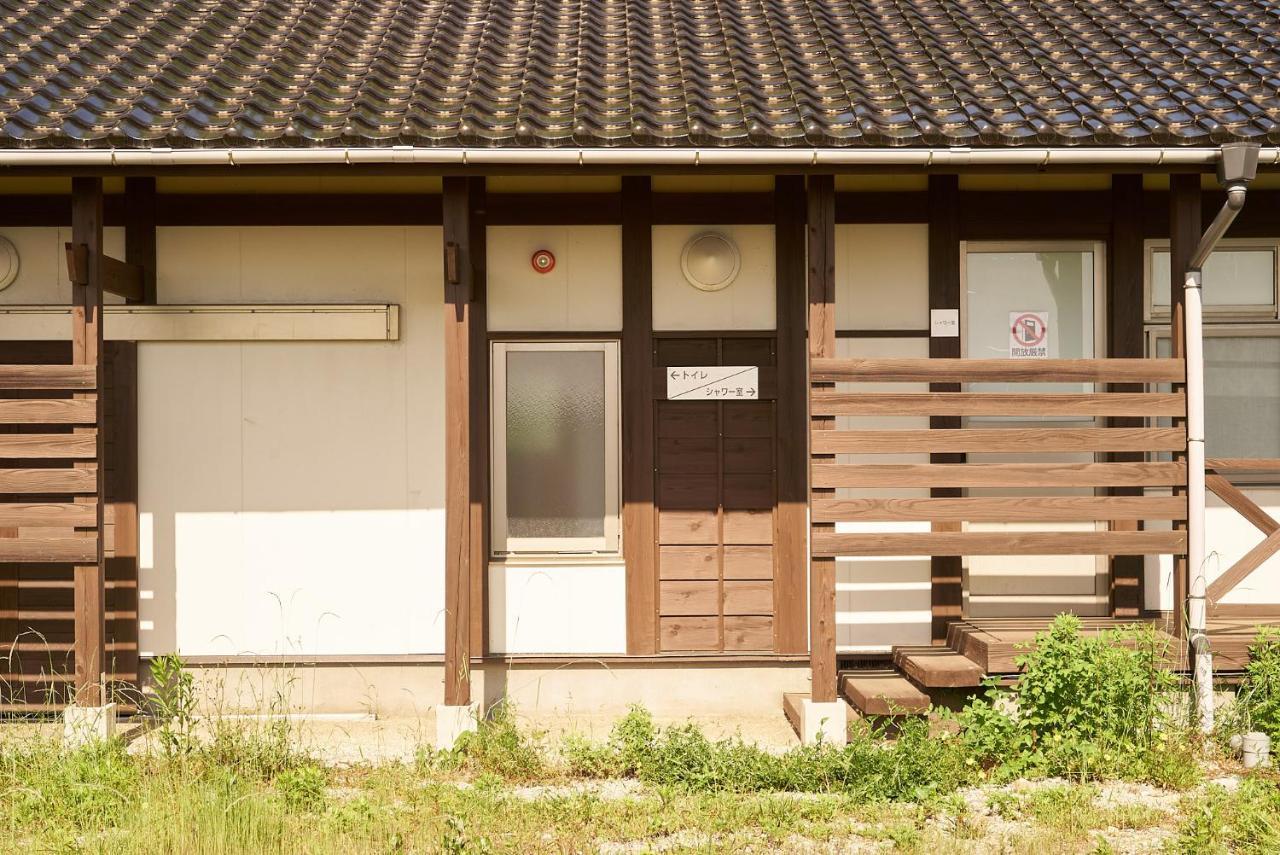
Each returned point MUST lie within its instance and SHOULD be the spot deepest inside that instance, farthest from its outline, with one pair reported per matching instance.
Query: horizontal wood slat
(1002, 509)
(1001, 543)
(828, 403)
(60, 446)
(49, 377)
(997, 440)
(999, 370)
(49, 411)
(999, 475)
(61, 549)
(1243, 464)
(48, 514)
(27, 481)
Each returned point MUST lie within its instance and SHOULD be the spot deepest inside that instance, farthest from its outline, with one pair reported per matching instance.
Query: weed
(497, 747)
(1259, 695)
(1085, 707)
(302, 788)
(173, 701)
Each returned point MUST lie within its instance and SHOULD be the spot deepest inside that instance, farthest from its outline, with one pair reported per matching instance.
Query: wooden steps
(938, 667)
(883, 692)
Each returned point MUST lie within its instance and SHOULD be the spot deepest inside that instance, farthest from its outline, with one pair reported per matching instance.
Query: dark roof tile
(133, 73)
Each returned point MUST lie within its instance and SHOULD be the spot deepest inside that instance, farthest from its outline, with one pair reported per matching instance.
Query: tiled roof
(199, 73)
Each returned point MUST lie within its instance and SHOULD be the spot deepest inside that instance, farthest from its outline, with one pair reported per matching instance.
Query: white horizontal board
(229, 322)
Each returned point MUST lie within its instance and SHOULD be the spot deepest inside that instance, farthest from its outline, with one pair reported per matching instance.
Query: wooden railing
(1218, 481)
(49, 528)
(1119, 518)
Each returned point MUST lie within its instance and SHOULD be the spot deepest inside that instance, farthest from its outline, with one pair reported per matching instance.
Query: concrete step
(938, 667)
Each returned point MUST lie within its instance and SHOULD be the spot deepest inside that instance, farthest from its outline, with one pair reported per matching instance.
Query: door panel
(715, 483)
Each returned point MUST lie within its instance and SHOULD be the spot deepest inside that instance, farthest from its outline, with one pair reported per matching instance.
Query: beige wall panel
(292, 493)
(882, 277)
(878, 183)
(553, 184)
(42, 265)
(746, 304)
(425, 184)
(712, 183)
(582, 293)
(1057, 181)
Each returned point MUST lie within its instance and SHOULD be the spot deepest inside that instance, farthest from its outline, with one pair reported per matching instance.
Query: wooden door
(715, 483)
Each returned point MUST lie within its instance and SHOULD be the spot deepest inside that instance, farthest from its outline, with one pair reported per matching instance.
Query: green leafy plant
(173, 701)
(498, 747)
(1259, 696)
(302, 788)
(1085, 706)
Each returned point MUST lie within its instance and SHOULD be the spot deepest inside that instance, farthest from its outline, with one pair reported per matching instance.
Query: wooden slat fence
(1029, 441)
(49, 475)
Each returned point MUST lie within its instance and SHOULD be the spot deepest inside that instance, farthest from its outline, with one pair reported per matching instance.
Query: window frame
(501, 544)
(1162, 314)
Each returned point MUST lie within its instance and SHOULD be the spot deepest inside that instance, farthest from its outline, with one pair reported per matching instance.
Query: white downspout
(1193, 312)
(1197, 613)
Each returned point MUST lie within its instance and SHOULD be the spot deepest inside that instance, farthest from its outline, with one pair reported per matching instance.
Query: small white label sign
(713, 383)
(1028, 335)
(944, 323)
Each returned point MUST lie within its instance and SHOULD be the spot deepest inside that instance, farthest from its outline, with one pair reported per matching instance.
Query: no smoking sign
(1028, 335)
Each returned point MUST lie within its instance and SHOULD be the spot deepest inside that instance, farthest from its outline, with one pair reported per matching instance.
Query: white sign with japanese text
(713, 383)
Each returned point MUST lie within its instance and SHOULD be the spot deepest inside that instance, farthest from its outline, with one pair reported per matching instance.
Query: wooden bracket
(118, 277)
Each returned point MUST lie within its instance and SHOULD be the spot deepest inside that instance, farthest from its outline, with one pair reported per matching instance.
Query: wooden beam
(118, 277)
(948, 371)
(462, 197)
(1184, 235)
(479, 452)
(1124, 315)
(821, 231)
(87, 350)
(140, 231)
(1003, 543)
(790, 552)
(638, 529)
(945, 572)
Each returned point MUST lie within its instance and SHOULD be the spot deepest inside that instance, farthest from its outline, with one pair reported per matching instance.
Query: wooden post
(1184, 236)
(792, 517)
(638, 533)
(1124, 340)
(463, 267)
(821, 231)
(479, 451)
(946, 589)
(89, 586)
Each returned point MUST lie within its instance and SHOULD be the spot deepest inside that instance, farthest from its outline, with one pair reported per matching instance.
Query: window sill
(556, 560)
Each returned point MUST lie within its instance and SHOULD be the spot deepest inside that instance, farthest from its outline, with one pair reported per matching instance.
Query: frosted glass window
(1244, 277)
(555, 447)
(1057, 284)
(1241, 395)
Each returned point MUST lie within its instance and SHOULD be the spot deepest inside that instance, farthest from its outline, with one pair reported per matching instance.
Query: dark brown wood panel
(714, 476)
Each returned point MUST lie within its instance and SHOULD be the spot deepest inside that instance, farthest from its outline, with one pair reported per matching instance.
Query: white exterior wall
(291, 494)
(882, 282)
(749, 303)
(42, 265)
(556, 606)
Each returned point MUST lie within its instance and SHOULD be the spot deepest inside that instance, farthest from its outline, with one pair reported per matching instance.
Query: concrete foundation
(88, 725)
(572, 689)
(452, 722)
(826, 722)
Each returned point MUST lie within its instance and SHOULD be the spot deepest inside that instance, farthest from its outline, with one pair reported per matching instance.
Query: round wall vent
(8, 262)
(710, 261)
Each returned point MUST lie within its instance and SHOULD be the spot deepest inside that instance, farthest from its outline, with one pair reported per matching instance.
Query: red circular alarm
(543, 261)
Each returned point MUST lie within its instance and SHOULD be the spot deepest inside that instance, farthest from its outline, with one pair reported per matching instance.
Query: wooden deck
(987, 648)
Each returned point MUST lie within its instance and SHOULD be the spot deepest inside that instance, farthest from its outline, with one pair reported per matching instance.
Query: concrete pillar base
(88, 725)
(452, 722)
(825, 721)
